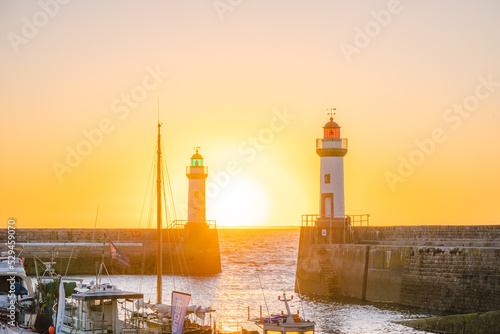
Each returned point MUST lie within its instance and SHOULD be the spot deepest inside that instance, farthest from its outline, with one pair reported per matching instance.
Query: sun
(240, 201)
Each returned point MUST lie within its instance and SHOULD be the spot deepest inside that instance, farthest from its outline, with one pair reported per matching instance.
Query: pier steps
(329, 274)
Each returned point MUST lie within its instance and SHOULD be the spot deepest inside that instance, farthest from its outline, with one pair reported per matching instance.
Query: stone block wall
(83, 249)
(81, 235)
(453, 279)
(461, 280)
(430, 235)
(384, 276)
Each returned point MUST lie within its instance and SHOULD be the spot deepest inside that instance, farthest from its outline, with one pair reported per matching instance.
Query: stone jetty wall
(431, 235)
(448, 268)
(80, 251)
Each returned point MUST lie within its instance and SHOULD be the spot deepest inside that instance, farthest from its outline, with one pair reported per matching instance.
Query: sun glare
(243, 201)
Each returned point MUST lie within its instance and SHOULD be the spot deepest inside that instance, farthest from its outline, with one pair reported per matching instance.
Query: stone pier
(447, 268)
(80, 251)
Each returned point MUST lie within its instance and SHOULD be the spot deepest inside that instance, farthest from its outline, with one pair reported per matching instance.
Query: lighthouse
(200, 245)
(196, 172)
(331, 150)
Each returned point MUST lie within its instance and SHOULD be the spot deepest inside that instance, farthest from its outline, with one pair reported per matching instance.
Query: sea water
(258, 265)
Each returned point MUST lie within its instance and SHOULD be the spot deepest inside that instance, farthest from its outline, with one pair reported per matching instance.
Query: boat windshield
(17, 286)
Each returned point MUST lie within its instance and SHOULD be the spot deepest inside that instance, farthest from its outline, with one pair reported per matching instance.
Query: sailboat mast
(159, 253)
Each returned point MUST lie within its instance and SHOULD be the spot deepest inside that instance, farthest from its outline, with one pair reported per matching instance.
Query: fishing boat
(16, 293)
(22, 304)
(99, 308)
(25, 304)
(285, 323)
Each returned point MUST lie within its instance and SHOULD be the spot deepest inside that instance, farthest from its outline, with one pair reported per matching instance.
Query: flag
(180, 302)
(61, 305)
(121, 258)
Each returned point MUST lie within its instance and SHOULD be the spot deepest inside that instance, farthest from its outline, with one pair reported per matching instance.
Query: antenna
(331, 113)
(158, 110)
(261, 289)
(95, 224)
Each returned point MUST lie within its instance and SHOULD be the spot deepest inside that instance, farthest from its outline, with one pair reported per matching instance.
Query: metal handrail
(360, 219)
(309, 220)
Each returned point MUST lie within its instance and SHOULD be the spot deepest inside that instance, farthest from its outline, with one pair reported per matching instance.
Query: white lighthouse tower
(196, 173)
(200, 243)
(200, 239)
(332, 149)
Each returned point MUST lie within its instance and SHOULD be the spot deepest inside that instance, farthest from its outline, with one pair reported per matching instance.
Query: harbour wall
(447, 268)
(186, 250)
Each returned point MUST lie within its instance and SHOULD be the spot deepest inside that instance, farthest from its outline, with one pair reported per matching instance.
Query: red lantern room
(332, 129)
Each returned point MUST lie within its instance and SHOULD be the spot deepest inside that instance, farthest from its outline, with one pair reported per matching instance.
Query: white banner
(180, 302)
(61, 305)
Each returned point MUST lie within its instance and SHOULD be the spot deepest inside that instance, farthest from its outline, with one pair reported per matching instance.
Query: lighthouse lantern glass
(196, 162)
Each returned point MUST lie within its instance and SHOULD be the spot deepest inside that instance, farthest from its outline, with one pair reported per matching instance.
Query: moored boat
(18, 301)
(285, 323)
(101, 308)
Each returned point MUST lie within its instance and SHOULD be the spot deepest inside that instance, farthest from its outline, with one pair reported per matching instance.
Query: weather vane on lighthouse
(331, 113)
(196, 148)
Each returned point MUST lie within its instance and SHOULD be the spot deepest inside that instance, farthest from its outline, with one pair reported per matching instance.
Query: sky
(415, 84)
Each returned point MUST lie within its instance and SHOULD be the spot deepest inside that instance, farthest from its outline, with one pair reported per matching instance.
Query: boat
(16, 291)
(99, 308)
(21, 305)
(285, 323)
(160, 318)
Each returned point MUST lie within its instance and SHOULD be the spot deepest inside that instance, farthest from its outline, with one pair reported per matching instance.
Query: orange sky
(416, 85)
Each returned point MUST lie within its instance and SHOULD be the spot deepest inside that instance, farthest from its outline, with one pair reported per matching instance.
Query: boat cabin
(283, 326)
(101, 309)
(13, 279)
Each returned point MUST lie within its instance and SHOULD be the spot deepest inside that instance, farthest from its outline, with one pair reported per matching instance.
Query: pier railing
(181, 223)
(353, 220)
(309, 220)
(360, 220)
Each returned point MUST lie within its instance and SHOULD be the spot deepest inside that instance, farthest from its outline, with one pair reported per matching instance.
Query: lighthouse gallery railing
(330, 143)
